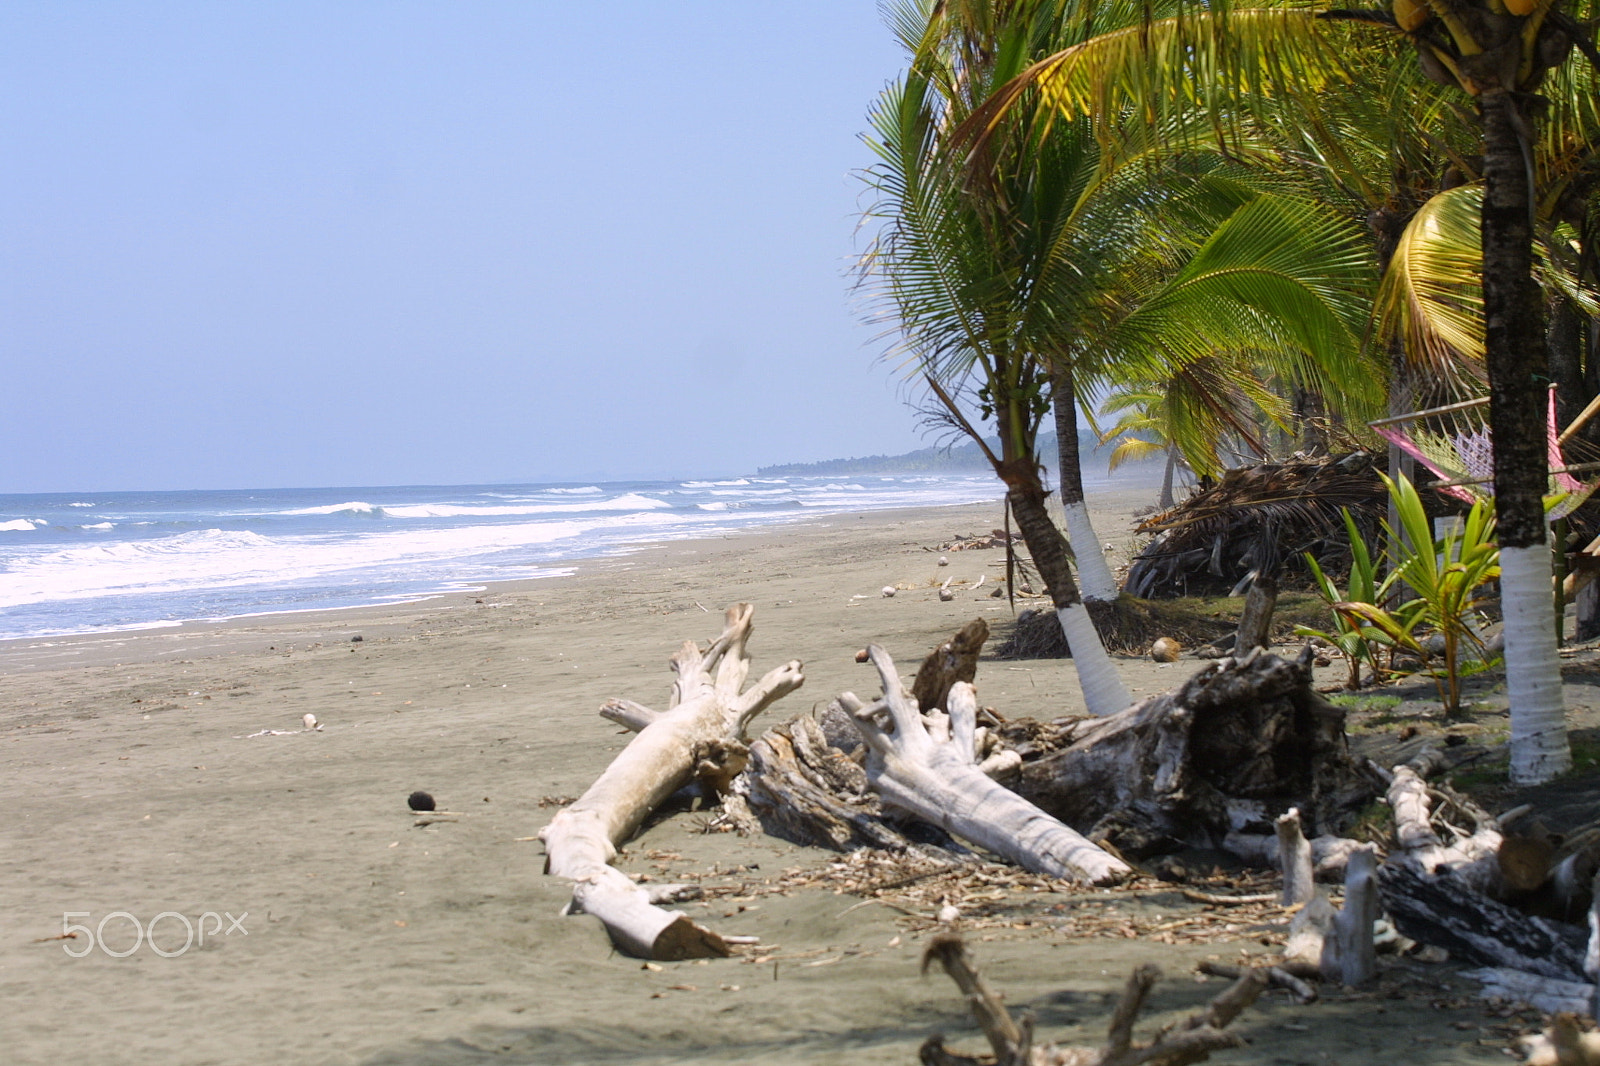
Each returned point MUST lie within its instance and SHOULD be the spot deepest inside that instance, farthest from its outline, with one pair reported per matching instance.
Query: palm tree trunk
(1517, 365)
(1166, 501)
(1099, 584)
(1103, 690)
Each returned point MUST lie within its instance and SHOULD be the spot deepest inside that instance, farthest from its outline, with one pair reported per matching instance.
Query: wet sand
(136, 786)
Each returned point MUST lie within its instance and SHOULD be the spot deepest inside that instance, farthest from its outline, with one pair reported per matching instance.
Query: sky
(278, 244)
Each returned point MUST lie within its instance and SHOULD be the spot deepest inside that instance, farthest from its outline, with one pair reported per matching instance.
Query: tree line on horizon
(1255, 229)
(955, 456)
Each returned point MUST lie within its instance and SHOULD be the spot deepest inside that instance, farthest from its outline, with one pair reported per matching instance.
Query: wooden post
(1294, 858)
(1255, 621)
(1352, 927)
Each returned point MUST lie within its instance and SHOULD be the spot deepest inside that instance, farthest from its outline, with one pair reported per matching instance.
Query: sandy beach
(347, 932)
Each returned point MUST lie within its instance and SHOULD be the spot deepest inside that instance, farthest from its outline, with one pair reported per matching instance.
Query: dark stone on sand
(356, 639)
(420, 801)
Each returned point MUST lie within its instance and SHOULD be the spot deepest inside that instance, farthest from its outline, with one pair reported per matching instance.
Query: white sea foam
(292, 557)
(214, 559)
(80, 505)
(353, 507)
(630, 502)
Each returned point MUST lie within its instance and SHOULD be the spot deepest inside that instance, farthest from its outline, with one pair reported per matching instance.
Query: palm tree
(951, 267)
(1043, 258)
(1241, 60)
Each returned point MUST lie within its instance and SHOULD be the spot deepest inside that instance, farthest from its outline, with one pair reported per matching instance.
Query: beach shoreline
(167, 776)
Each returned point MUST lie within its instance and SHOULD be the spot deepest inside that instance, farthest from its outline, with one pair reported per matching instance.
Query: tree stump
(1174, 767)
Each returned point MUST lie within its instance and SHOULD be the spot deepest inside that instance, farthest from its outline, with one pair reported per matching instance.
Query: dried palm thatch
(1255, 519)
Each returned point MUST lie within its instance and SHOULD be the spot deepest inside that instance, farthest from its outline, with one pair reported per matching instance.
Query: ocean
(99, 562)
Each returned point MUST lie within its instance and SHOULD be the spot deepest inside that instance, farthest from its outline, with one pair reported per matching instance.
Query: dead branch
(701, 734)
(1191, 1040)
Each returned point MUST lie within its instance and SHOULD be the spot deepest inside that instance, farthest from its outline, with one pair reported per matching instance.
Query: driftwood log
(1329, 854)
(927, 764)
(701, 734)
(1487, 895)
(1190, 1040)
(1240, 741)
(802, 786)
(1448, 912)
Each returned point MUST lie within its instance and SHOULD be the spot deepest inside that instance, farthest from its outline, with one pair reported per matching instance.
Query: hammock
(1453, 442)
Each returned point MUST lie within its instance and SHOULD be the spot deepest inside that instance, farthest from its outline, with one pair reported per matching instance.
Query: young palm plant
(1447, 575)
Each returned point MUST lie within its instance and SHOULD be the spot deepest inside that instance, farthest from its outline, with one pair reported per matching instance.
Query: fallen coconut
(1165, 650)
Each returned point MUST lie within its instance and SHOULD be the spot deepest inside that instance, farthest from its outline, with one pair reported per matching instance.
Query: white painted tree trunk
(700, 732)
(926, 765)
(1096, 582)
(1103, 690)
(1539, 748)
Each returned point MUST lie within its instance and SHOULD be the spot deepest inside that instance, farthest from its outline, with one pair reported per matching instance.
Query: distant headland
(964, 456)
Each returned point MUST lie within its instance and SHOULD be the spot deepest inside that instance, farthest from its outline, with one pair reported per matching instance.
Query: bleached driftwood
(700, 735)
(1474, 857)
(1547, 994)
(1354, 950)
(926, 765)
(1310, 934)
(629, 715)
(1329, 854)
(1564, 1043)
(1338, 945)
(1188, 1041)
(1277, 977)
(1294, 855)
(800, 788)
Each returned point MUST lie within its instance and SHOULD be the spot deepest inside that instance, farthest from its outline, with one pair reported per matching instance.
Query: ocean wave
(353, 507)
(586, 490)
(630, 502)
(99, 526)
(22, 525)
(712, 484)
(80, 505)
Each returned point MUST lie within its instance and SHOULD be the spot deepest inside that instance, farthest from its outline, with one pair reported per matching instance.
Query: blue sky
(282, 244)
